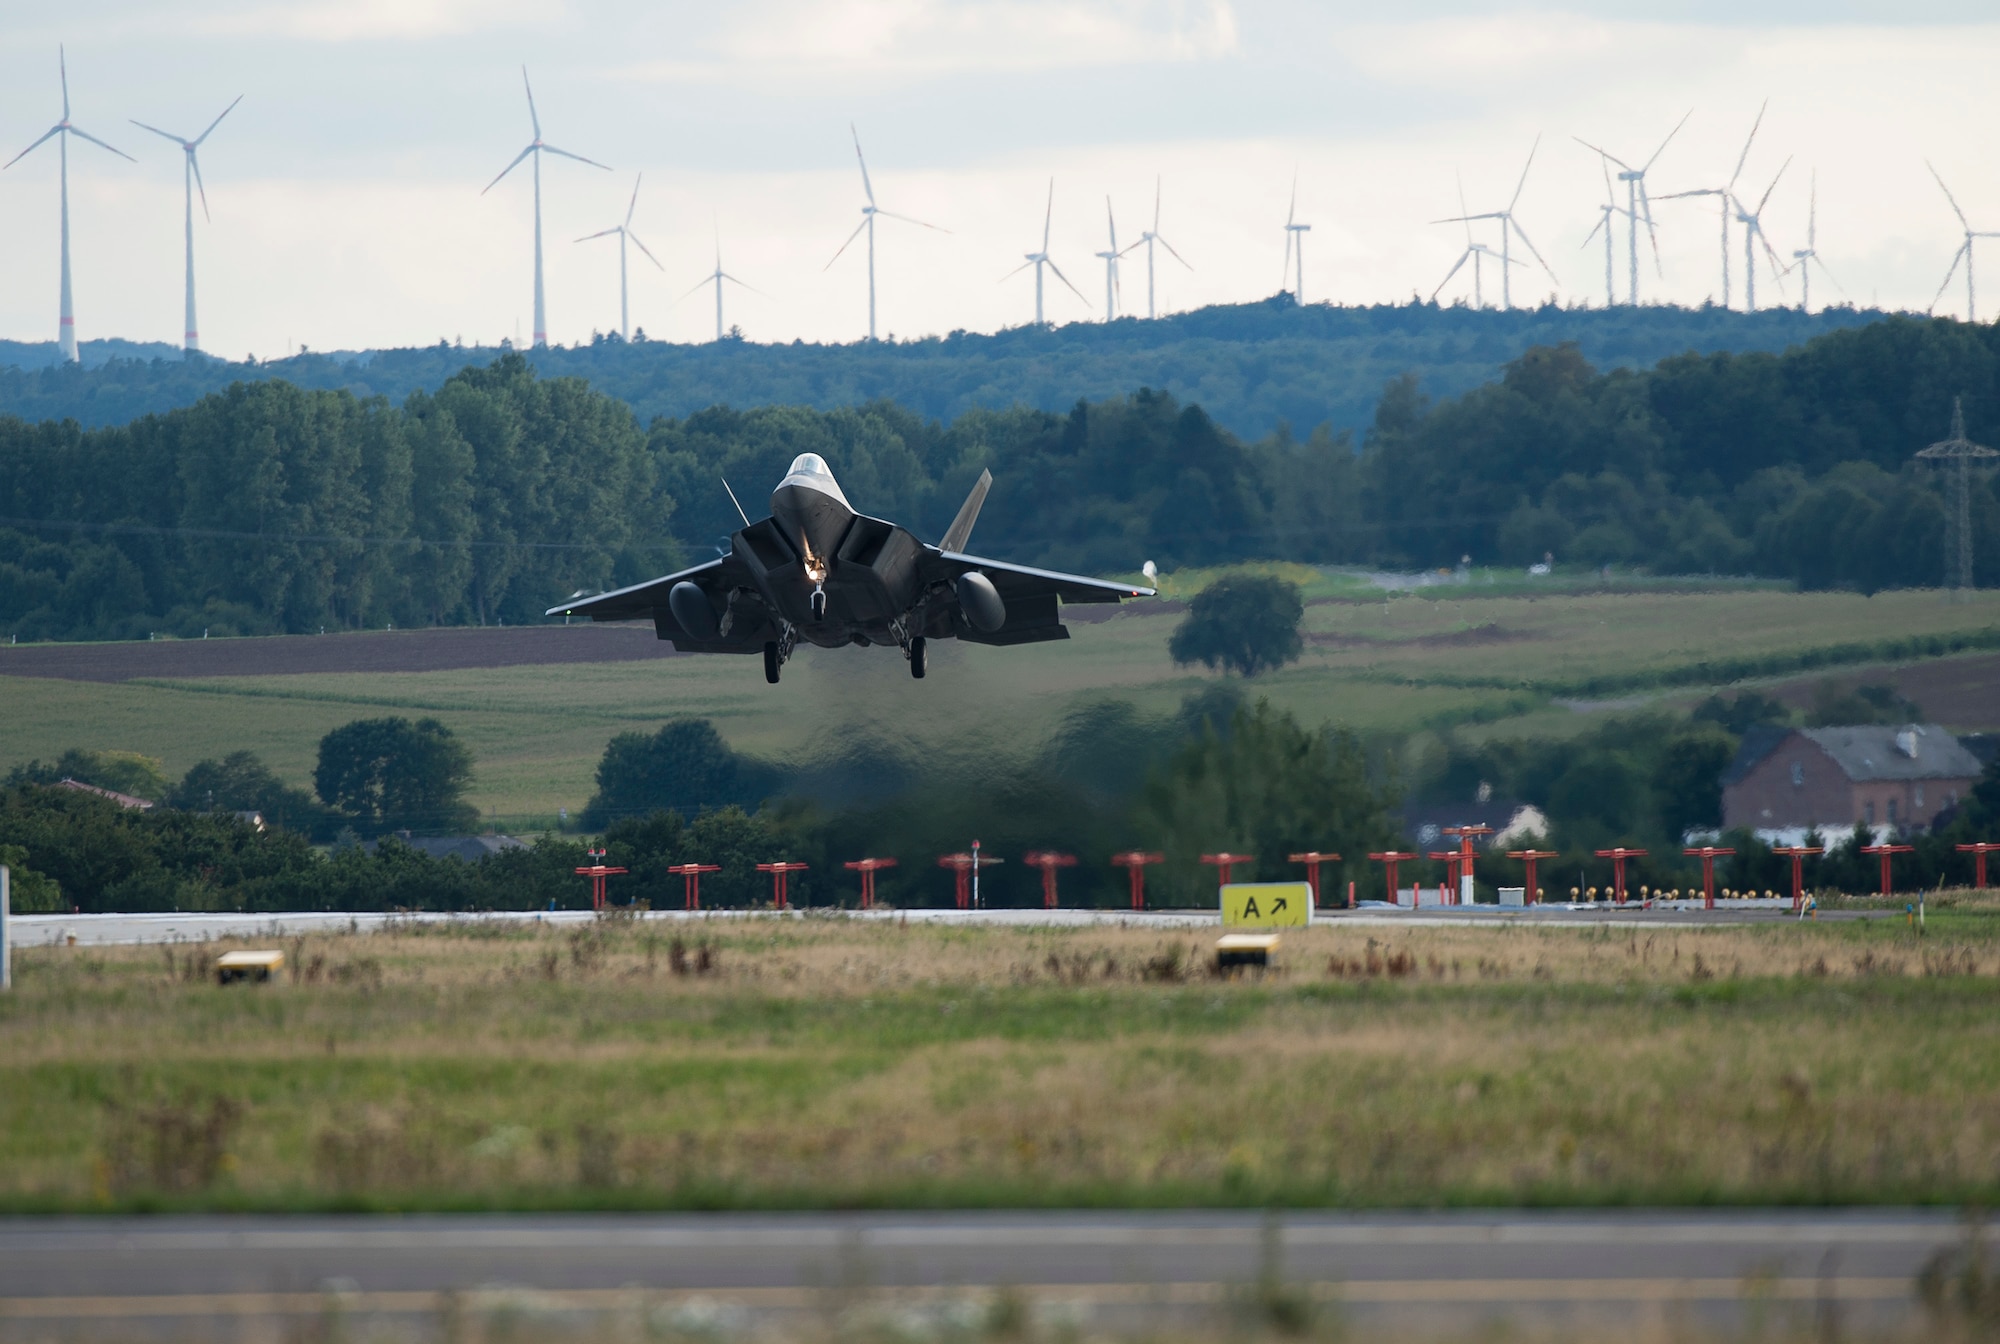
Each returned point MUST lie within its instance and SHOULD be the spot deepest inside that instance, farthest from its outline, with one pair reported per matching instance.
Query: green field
(812, 1062)
(1411, 662)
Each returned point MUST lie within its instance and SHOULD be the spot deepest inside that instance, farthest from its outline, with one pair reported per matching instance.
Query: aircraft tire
(917, 657)
(771, 663)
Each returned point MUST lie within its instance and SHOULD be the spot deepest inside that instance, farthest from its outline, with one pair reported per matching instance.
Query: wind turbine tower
(190, 184)
(536, 148)
(1964, 252)
(1509, 226)
(61, 132)
(1112, 289)
(1040, 259)
(716, 277)
(1808, 257)
(1636, 201)
(1295, 246)
(1147, 239)
(868, 213)
(625, 235)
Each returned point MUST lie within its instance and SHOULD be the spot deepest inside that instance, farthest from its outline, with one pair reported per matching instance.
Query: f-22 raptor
(817, 571)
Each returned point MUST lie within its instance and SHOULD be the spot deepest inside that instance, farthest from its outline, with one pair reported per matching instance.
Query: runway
(181, 1276)
(108, 930)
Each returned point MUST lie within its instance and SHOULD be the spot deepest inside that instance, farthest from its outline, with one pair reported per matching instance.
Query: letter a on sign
(1267, 905)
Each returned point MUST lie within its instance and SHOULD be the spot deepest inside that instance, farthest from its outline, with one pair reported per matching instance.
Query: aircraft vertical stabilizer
(960, 531)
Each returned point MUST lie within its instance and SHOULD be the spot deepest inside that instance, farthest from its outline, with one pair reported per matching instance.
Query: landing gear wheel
(771, 663)
(917, 657)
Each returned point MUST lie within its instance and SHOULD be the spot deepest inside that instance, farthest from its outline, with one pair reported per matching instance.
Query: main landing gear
(772, 662)
(916, 655)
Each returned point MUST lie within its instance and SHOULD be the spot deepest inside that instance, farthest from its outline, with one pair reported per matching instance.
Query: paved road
(97, 930)
(83, 1279)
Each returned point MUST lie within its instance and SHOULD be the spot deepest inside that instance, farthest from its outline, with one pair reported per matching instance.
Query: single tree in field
(685, 767)
(391, 774)
(1247, 623)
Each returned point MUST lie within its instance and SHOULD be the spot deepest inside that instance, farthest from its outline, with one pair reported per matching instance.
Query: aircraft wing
(719, 578)
(1031, 596)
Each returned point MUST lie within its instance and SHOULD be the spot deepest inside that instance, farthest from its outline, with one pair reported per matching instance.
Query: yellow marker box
(1266, 905)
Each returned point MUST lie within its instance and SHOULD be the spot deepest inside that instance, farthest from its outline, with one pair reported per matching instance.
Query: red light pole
(597, 872)
(691, 873)
(1312, 859)
(1708, 854)
(1134, 862)
(1979, 850)
(868, 868)
(1224, 862)
(1465, 834)
(1389, 859)
(1885, 853)
(1048, 861)
(1446, 896)
(1529, 858)
(778, 872)
(1797, 854)
(962, 867)
(1618, 855)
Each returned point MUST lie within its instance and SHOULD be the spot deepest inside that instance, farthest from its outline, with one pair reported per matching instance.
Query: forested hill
(1250, 366)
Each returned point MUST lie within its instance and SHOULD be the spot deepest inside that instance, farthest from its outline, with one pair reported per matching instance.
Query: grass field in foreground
(1392, 666)
(832, 1062)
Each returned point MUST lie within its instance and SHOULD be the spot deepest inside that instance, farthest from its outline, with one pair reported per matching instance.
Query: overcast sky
(347, 211)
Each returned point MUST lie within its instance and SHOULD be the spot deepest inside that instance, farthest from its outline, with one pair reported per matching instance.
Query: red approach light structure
(779, 872)
(1134, 862)
(1389, 859)
(1448, 889)
(868, 868)
(1708, 854)
(691, 874)
(962, 866)
(1048, 861)
(1465, 834)
(1886, 853)
(1618, 854)
(1979, 850)
(1797, 854)
(597, 872)
(1312, 859)
(1224, 862)
(1529, 858)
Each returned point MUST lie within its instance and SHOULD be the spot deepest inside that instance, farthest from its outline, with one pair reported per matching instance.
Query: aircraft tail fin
(960, 532)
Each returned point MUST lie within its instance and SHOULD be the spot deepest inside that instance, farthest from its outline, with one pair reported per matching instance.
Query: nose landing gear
(772, 663)
(819, 603)
(916, 655)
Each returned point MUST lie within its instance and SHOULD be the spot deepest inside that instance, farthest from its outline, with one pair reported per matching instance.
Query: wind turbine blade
(1744, 157)
(1522, 234)
(1603, 154)
(200, 187)
(1016, 271)
(1156, 204)
(1463, 213)
(1963, 248)
(1698, 191)
(866, 185)
(1927, 163)
(157, 131)
(1652, 233)
(218, 119)
(86, 135)
(1813, 259)
(1812, 213)
(1292, 210)
(578, 157)
(890, 214)
(850, 238)
(699, 286)
(635, 199)
(1450, 273)
(533, 116)
(1112, 224)
(1285, 278)
(1048, 216)
(1602, 220)
(603, 233)
(62, 66)
(1524, 174)
(1770, 252)
(52, 131)
(1170, 251)
(1773, 187)
(508, 169)
(1454, 219)
(1065, 279)
(643, 248)
(740, 285)
(1669, 140)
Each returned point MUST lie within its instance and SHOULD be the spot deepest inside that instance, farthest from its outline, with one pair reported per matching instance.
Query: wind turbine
(62, 131)
(1295, 245)
(1964, 251)
(1475, 252)
(1605, 214)
(1509, 226)
(625, 235)
(1112, 289)
(1725, 193)
(536, 148)
(1041, 259)
(1804, 259)
(1147, 239)
(1636, 202)
(868, 213)
(190, 184)
(717, 276)
(1753, 234)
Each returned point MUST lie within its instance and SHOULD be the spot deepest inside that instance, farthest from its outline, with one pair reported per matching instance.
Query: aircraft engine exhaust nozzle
(691, 609)
(980, 601)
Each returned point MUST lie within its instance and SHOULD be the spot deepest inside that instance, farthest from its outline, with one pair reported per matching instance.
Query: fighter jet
(817, 571)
